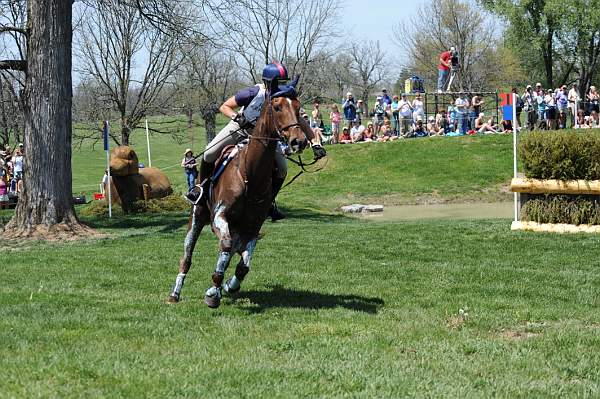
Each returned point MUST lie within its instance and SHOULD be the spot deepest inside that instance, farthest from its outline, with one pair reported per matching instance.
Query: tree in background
(295, 32)
(369, 69)
(130, 59)
(533, 25)
(207, 77)
(484, 65)
(564, 35)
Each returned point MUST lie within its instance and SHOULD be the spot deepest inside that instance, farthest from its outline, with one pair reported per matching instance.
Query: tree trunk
(210, 120)
(45, 208)
(190, 116)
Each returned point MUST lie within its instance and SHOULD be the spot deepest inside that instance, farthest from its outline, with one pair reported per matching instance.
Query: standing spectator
(316, 117)
(593, 99)
(529, 106)
(17, 162)
(418, 108)
(3, 189)
(540, 99)
(444, 69)
(190, 166)
(349, 108)
(396, 114)
(462, 106)
(335, 118)
(385, 98)
(562, 103)
(551, 112)
(104, 182)
(539, 91)
(378, 114)
(574, 100)
(359, 112)
(406, 113)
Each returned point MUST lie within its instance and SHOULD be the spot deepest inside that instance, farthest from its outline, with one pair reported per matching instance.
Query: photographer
(448, 59)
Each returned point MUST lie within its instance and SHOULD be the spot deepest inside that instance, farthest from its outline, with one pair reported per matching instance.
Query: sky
(374, 20)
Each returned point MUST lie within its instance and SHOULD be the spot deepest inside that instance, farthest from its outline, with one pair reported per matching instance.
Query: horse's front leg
(199, 218)
(233, 284)
(212, 297)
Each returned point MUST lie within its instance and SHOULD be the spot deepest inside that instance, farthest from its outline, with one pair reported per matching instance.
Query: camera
(454, 59)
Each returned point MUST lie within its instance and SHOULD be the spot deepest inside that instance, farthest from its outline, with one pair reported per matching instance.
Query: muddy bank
(497, 210)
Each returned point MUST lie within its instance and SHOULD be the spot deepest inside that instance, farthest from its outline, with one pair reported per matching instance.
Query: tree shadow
(167, 223)
(281, 297)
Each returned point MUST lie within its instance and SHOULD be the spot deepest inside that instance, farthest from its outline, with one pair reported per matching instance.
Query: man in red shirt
(444, 69)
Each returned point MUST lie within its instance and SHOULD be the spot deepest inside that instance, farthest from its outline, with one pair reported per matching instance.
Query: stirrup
(195, 197)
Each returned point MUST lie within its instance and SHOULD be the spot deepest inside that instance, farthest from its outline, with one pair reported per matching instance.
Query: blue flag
(105, 135)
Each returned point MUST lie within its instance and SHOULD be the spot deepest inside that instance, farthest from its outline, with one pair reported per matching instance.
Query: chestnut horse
(240, 199)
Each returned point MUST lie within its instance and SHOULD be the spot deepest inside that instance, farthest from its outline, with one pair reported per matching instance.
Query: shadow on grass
(281, 297)
(167, 222)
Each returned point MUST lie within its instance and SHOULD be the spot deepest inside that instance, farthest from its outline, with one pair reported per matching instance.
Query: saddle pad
(228, 153)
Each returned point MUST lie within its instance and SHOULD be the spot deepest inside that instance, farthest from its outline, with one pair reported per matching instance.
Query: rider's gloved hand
(318, 151)
(241, 120)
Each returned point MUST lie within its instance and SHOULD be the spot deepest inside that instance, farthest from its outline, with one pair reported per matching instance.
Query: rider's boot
(200, 191)
(274, 212)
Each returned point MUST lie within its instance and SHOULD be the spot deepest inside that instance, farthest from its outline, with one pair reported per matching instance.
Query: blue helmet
(274, 73)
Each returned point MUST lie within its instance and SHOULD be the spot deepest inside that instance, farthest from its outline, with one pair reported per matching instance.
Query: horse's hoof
(212, 298)
(172, 299)
(212, 302)
(228, 289)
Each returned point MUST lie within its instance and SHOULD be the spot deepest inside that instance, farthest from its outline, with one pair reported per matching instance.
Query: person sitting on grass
(483, 127)
(369, 134)
(583, 121)
(507, 126)
(442, 122)
(356, 133)
(419, 129)
(433, 128)
(387, 132)
(345, 137)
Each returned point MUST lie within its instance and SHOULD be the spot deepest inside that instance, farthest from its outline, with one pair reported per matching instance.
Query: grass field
(333, 306)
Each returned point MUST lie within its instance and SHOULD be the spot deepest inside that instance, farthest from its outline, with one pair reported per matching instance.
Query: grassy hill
(410, 171)
(333, 306)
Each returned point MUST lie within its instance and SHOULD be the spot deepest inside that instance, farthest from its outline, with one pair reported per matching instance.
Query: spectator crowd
(398, 117)
(11, 174)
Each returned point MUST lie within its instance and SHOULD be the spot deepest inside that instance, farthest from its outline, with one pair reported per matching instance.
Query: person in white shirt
(574, 100)
(418, 108)
(406, 113)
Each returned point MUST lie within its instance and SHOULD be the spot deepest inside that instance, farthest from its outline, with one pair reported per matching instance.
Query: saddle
(228, 154)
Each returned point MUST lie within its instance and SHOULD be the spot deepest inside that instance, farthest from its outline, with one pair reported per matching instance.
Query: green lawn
(333, 306)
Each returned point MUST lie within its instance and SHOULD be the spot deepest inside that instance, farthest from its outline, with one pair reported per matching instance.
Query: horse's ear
(294, 82)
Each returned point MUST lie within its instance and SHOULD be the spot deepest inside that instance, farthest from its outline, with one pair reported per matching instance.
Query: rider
(251, 100)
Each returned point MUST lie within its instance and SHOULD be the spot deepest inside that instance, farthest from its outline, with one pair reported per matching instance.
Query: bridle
(279, 130)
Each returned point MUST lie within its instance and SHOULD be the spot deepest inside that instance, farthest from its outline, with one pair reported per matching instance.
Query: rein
(303, 165)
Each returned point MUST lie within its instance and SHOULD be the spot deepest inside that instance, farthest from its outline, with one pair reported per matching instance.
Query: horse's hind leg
(232, 285)
(198, 221)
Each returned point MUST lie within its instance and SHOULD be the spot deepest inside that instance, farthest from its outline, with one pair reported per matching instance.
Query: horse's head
(286, 117)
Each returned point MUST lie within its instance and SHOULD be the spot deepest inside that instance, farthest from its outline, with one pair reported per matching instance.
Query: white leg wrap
(178, 283)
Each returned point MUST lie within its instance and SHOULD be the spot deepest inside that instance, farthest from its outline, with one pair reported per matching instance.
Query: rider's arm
(228, 108)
